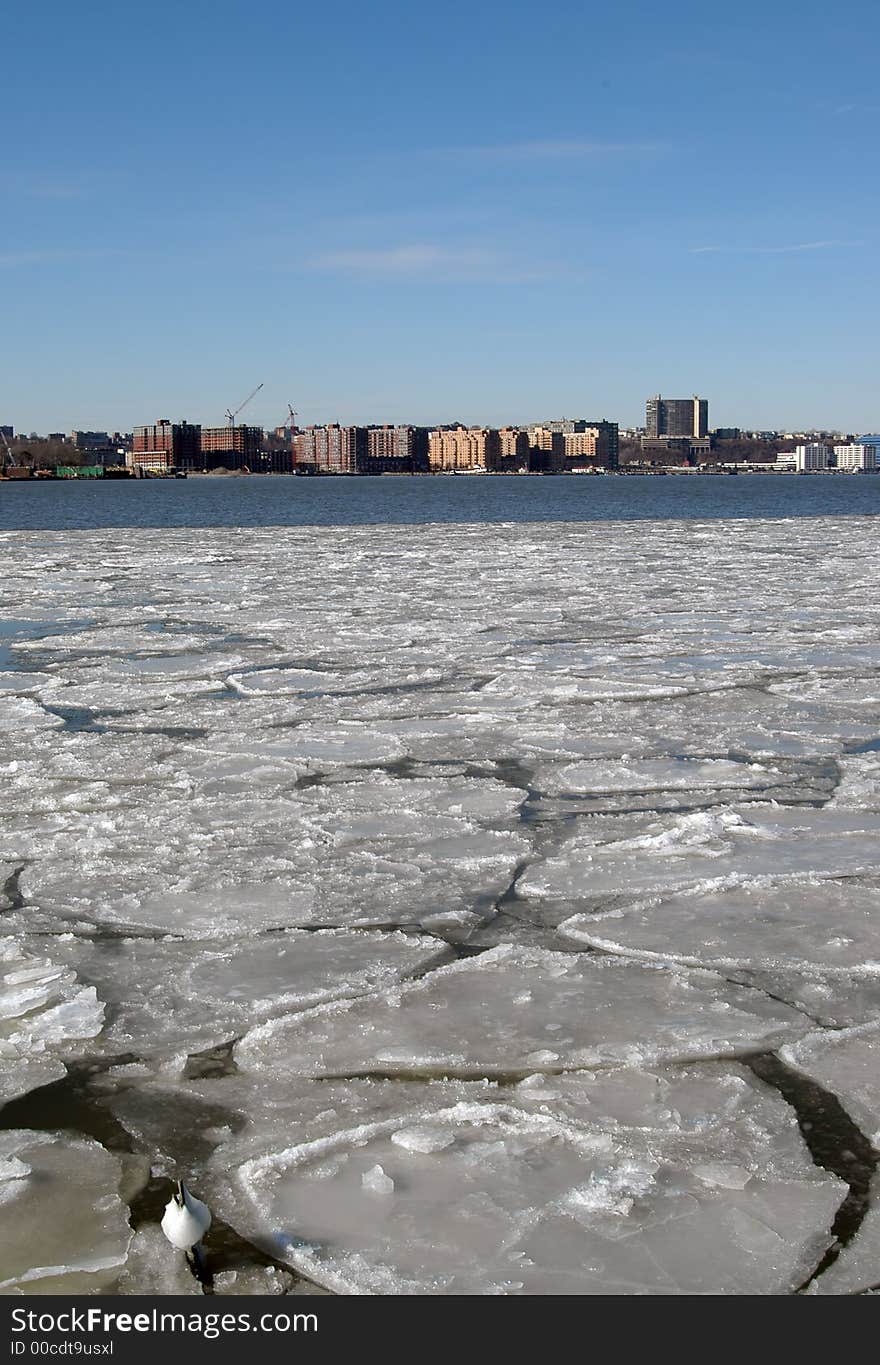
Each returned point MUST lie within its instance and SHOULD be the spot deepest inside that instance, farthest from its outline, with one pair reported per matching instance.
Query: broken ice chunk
(525, 1203)
(827, 928)
(464, 1020)
(83, 1241)
(44, 1013)
(376, 1181)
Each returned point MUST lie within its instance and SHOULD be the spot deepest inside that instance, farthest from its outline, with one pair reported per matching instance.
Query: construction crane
(232, 415)
(291, 425)
(8, 457)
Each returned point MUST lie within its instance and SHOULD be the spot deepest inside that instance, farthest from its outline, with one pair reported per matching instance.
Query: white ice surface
(515, 1010)
(226, 737)
(826, 928)
(46, 1015)
(165, 1000)
(70, 1226)
(729, 846)
(704, 1187)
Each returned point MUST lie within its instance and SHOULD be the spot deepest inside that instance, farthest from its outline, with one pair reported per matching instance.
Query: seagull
(184, 1223)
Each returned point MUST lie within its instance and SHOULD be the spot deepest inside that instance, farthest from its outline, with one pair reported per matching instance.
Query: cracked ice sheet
(26, 684)
(311, 682)
(165, 1000)
(655, 775)
(715, 848)
(859, 782)
(857, 1268)
(513, 1010)
(379, 851)
(108, 696)
(83, 772)
(453, 875)
(108, 641)
(22, 714)
(83, 1243)
(852, 693)
(848, 1064)
(46, 1015)
(676, 1181)
(816, 945)
(830, 929)
(744, 720)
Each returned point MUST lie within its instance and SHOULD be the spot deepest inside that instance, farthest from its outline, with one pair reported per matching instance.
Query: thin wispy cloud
(769, 250)
(857, 107)
(10, 260)
(550, 149)
(426, 261)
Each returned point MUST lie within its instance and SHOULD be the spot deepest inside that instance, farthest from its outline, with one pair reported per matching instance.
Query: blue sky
(478, 211)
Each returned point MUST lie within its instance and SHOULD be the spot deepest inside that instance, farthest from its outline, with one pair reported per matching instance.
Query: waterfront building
(858, 455)
(166, 445)
(397, 450)
(90, 440)
(332, 449)
(463, 448)
(231, 447)
(676, 417)
(811, 457)
(555, 445)
(513, 448)
(547, 439)
(873, 442)
(596, 441)
(577, 444)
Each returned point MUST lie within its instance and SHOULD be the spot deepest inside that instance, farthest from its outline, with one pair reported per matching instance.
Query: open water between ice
(457, 907)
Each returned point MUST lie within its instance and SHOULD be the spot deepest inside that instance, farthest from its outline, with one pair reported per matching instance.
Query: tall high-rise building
(815, 455)
(557, 444)
(606, 437)
(859, 455)
(463, 448)
(397, 450)
(332, 449)
(164, 445)
(676, 417)
(232, 447)
(513, 447)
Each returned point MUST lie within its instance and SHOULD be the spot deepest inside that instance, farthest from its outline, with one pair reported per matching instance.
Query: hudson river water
(278, 500)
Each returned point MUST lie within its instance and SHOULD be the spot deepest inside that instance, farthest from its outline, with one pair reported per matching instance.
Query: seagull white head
(186, 1219)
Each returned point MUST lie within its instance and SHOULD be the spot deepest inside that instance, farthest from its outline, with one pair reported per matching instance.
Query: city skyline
(690, 210)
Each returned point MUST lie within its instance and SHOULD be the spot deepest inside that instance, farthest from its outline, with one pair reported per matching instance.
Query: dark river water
(280, 500)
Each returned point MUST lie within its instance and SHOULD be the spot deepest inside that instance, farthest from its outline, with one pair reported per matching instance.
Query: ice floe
(514, 1010)
(46, 1015)
(60, 1194)
(705, 1187)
